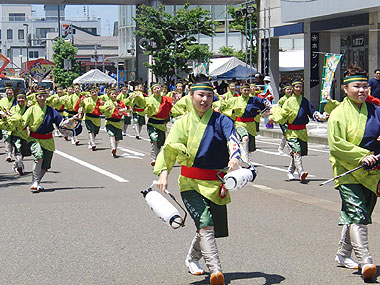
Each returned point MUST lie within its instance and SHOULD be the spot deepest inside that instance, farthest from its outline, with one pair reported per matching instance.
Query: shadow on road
(71, 188)
(269, 278)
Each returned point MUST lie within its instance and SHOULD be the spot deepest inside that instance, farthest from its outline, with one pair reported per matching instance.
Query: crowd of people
(213, 128)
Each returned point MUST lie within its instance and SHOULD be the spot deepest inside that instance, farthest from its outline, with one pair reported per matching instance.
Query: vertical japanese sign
(314, 63)
(265, 56)
(329, 67)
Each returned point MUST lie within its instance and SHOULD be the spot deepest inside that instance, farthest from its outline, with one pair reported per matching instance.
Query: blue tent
(239, 72)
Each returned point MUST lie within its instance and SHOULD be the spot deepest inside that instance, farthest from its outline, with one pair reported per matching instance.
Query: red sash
(115, 113)
(165, 107)
(41, 136)
(200, 173)
(296, 127)
(246, 120)
(76, 108)
(97, 110)
(62, 107)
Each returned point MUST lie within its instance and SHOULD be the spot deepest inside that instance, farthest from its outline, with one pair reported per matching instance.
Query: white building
(18, 22)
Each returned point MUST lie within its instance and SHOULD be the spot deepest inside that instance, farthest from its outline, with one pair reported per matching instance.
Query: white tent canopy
(220, 66)
(94, 76)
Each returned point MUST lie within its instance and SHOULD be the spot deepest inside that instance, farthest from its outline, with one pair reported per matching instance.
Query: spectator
(374, 84)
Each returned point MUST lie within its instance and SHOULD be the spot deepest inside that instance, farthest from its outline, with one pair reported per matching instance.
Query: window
(220, 26)
(16, 17)
(33, 54)
(9, 34)
(41, 32)
(21, 34)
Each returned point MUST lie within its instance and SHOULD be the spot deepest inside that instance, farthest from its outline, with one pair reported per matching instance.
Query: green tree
(247, 26)
(171, 39)
(64, 50)
(230, 51)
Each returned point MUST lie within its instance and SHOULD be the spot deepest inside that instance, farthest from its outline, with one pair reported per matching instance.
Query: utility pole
(96, 56)
(27, 46)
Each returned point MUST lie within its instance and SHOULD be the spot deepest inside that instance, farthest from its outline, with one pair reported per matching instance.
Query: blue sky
(107, 13)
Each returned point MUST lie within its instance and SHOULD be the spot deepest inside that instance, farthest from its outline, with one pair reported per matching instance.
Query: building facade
(25, 36)
(350, 28)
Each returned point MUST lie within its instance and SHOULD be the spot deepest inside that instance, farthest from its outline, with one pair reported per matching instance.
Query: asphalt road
(92, 226)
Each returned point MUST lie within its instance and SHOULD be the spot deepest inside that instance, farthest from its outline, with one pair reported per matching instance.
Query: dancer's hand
(162, 184)
(233, 164)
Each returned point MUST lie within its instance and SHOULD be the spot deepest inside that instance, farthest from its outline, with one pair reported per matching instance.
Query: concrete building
(18, 24)
(128, 46)
(346, 27)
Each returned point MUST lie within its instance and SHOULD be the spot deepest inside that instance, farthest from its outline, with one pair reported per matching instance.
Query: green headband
(20, 95)
(202, 86)
(354, 78)
(297, 82)
(156, 84)
(244, 86)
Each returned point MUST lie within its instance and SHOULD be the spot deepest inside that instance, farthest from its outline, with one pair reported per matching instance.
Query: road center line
(307, 199)
(92, 167)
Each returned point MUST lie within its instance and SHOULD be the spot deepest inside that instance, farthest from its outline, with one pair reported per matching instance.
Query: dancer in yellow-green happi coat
(231, 92)
(245, 111)
(295, 113)
(138, 115)
(353, 135)
(126, 97)
(288, 91)
(40, 118)
(57, 101)
(19, 137)
(73, 103)
(157, 108)
(114, 110)
(91, 109)
(202, 142)
(6, 104)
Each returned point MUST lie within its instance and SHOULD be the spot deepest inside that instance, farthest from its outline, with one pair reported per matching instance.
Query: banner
(330, 64)
(201, 68)
(39, 68)
(3, 62)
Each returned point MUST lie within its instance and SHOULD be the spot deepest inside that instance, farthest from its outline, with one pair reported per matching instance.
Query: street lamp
(27, 46)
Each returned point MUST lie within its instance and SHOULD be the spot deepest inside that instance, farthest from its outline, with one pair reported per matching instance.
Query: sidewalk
(317, 132)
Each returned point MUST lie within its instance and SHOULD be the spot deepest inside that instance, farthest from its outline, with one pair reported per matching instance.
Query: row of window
(40, 33)
(32, 54)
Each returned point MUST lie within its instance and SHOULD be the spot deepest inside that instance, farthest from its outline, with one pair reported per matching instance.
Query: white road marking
(275, 168)
(313, 149)
(92, 167)
(271, 152)
(144, 139)
(131, 151)
(307, 199)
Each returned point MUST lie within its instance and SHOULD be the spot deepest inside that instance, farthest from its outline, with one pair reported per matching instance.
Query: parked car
(17, 83)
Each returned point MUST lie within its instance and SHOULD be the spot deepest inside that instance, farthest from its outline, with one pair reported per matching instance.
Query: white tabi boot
(153, 153)
(8, 150)
(298, 163)
(113, 146)
(193, 257)
(359, 242)
(211, 256)
(291, 169)
(343, 255)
